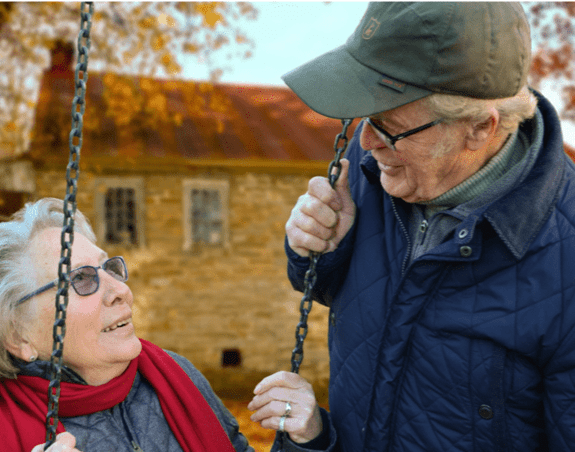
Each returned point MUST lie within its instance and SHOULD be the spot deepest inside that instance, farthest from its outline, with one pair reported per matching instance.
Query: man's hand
(322, 217)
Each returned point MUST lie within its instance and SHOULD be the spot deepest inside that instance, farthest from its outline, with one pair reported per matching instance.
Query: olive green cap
(401, 52)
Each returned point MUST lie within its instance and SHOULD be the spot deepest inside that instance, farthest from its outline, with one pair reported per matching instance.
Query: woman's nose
(115, 291)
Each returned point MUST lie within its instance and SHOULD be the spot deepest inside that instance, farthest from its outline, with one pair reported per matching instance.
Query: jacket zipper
(405, 233)
(134, 444)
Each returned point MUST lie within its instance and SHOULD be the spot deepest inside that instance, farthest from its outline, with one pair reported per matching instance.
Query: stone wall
(201, 303)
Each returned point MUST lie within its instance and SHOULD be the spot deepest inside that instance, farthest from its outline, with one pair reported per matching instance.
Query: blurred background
(194, 153)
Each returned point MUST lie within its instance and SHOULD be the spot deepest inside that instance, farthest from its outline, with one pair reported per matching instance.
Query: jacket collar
(43, 369)
(519, 215)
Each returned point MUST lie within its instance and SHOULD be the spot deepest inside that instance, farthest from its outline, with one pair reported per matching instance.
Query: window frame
(103, 184)
(223, 188)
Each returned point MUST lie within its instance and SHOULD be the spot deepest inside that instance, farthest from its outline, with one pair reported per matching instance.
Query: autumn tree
(552, 26)
(127, 39)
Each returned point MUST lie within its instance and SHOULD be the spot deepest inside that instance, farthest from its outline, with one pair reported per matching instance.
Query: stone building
(197, 205)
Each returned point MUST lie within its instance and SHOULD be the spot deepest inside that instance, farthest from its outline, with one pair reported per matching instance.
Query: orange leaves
(151, 22)
(190, 47)
(122, 99)
(211, 17)
(553, 26)
(149, 40)
(170, 64)
(258, 437)
(10, 126)
(164, 19)
(147, 22)
(553, 62)
(159, 42)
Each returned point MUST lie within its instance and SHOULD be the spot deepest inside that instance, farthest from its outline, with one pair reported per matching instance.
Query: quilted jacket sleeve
(332, 267)
(330, 270)
(230, 424)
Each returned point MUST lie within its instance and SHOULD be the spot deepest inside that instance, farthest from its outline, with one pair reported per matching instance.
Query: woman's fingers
(65, 442)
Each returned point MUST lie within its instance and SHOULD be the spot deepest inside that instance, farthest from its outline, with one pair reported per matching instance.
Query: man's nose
(369, 139)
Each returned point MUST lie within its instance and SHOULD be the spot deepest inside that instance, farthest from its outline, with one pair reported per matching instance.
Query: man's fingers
(320, 188)
(281, 378)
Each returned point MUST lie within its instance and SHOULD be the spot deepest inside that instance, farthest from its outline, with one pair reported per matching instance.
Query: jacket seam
(431, 295)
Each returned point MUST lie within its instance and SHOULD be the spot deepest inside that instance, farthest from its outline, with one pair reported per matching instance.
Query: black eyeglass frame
(390, 139)
(55, 282)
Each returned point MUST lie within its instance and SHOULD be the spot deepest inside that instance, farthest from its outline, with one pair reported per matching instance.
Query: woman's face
(92, 349)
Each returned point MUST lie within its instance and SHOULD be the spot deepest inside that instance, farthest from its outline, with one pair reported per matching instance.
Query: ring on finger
(282, 423)
(288, 409)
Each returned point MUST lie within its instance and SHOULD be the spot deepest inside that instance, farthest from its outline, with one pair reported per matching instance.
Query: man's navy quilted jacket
(471, 347)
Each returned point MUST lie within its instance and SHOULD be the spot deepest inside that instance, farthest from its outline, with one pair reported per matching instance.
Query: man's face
(424, 165)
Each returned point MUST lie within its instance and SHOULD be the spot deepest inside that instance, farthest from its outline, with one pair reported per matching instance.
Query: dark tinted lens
(84, 280)
(116, 268)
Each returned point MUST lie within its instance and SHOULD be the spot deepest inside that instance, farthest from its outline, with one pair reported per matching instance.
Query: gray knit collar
(502, 172)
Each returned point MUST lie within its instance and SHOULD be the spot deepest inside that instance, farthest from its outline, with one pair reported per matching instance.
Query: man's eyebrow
(382, 118)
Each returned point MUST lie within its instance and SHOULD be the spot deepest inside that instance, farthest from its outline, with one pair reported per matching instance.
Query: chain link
(67, 237)
(334, 172)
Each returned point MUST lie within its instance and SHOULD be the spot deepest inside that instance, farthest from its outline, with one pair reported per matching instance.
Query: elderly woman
(118, 392)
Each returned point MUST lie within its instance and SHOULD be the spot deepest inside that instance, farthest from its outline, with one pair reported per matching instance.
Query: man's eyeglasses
(390, 140)
(85, 280)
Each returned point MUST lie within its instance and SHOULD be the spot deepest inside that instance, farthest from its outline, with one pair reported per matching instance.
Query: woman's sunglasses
(85, 280)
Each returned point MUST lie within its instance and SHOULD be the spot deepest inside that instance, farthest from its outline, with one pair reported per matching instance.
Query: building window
(119, 211)
(231, 357)
(205, 213)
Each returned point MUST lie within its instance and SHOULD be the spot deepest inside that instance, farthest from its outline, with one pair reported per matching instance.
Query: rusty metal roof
(250, 122)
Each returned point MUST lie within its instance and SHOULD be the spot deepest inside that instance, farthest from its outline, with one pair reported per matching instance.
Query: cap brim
(338, 86)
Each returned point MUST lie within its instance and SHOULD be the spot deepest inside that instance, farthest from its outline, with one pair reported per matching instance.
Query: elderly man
(448, 241)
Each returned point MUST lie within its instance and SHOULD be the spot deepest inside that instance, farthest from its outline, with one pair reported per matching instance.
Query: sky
(288, 34)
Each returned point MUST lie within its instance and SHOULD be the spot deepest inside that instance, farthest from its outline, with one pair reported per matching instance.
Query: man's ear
(481, 134)
(20, 347)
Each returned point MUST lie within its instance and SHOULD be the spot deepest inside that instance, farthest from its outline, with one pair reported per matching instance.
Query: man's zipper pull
(136, 448)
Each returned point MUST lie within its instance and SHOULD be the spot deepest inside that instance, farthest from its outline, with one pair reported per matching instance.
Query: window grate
(120, 215)
(207, 218)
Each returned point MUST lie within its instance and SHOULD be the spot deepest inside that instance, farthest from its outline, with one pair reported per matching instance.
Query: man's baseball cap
(401, 52)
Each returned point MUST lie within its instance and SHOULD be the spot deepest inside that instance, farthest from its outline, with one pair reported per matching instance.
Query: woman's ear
(20, 347)
(480, 135)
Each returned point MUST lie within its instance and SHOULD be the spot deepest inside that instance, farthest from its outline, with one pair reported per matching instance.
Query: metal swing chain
(333, 174)
(67, 237)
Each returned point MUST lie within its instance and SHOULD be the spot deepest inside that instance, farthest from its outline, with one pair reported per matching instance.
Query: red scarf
(24, 402)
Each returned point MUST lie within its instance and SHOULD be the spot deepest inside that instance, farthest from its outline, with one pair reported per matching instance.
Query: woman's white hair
(15, 262)
(512, 110)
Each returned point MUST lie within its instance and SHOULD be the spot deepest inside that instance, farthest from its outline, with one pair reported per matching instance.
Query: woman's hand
(303, 423)
(65, 442)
